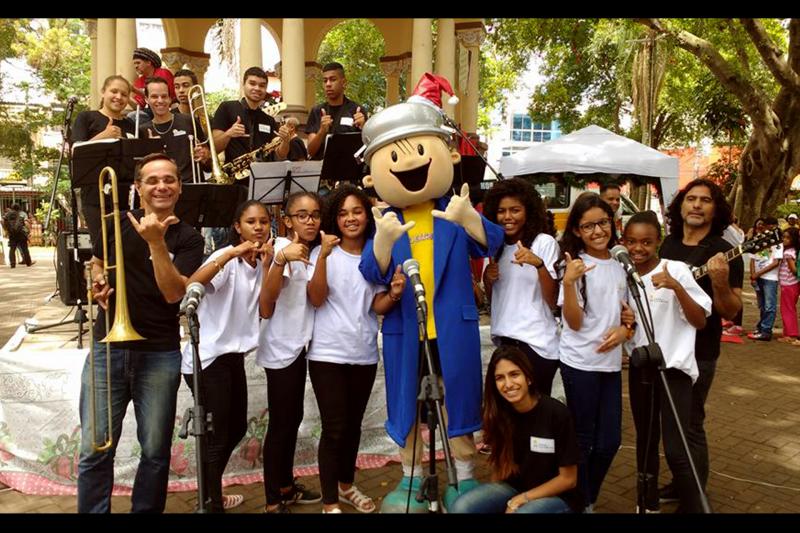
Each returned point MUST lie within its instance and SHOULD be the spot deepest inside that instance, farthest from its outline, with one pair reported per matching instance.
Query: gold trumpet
(123, 329)
(196, 95)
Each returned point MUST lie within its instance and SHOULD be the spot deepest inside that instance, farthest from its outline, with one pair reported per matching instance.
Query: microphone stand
(654, 354)
(431, 394)
(452, 125)
(65, 130)
(201, 422)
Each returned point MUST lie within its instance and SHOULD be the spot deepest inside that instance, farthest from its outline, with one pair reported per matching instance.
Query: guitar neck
(730, 255)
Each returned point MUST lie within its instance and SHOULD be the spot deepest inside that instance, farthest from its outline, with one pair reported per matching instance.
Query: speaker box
(71, 276)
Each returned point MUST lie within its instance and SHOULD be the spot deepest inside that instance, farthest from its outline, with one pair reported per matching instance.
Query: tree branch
(735, 32)
(794, 44)
(771, 54)
(753, 100)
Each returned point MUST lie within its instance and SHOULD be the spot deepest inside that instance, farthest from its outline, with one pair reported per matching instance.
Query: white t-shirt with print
(765, 257)
(284, 336)
(673, 333)
(519, 311)
(606, 289)
(345, 326)
(228, 313)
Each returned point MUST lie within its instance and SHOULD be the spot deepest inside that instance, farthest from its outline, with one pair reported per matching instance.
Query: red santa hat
(429, 90)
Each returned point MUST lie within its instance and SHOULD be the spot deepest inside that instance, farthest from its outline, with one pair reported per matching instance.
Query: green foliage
(217, 97)
(498, 79)
(784, 210)
(358, 46)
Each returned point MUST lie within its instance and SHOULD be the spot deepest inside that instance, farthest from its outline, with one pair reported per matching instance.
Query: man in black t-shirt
(239, 127)
(338, 114)
(160, 253)
(175, 129)
(698, 216)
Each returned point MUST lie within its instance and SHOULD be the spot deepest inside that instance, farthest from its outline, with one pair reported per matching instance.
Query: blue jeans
(767, 304)
(493, 498)
(594, 400)
(151, 380)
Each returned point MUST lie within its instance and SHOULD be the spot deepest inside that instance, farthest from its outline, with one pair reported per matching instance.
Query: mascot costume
(411, 169)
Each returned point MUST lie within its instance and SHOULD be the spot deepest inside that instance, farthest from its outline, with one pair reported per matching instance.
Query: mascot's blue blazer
(456, 318)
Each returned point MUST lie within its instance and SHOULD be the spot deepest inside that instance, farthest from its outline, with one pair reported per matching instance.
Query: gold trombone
(199, 109)
(123, 329)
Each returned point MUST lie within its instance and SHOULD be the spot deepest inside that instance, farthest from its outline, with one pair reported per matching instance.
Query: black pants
(22, 244)
(285, 394)
(652, 417)
(696, 434)
(342, 393)
(224, 394)
(544, 370)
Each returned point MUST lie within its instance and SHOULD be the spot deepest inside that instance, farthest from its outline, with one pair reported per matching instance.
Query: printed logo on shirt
(421, 237)
(541, 445)
(346, 121)
(265, 128)
(177, 133)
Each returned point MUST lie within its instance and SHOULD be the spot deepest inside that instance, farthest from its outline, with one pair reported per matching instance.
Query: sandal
(357, 499)
(230, 501)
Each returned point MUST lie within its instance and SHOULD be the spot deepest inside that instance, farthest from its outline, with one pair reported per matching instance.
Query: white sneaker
(649, 511)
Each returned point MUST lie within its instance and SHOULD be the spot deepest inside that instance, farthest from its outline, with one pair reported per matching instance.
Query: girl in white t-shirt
(282, 349)
(343, 355)
(678, 308)
(593, 292)
(520, 281)
(228, 313)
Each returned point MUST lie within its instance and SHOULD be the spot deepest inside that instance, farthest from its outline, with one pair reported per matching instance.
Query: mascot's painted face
(412, 170)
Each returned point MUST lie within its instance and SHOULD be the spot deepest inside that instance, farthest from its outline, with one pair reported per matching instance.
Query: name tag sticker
(264, 128)
(346, 121)
(541, 445)
(178, 133)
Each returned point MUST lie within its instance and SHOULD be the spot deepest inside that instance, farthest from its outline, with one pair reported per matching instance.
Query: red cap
(430, 87)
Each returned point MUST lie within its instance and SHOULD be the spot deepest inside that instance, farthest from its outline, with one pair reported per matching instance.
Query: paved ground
(753, 425)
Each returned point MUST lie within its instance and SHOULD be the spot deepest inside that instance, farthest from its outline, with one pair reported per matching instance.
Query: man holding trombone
(152, 254)
(176, 130)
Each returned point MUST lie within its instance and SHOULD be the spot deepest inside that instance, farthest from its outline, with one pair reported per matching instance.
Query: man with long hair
(698, 216)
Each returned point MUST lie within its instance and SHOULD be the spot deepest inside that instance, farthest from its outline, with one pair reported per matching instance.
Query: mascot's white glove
(460, 211)
(387, 230)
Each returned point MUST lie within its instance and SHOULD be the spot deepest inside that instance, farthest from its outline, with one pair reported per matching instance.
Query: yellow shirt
(421, 238)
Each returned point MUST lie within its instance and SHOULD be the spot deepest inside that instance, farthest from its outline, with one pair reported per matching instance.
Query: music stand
(470, 170)
(209, 205)
(272, 183)
(339, 162)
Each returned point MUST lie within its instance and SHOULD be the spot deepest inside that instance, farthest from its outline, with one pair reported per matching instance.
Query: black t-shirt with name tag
(260, 127)
(176, 141)
(151, 315)
(706, 345)
(342, 116)
(544, 440)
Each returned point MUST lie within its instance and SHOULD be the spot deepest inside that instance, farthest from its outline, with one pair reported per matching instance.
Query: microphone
(411, 268)
(194, 293)
(72, 100)
(620, 253)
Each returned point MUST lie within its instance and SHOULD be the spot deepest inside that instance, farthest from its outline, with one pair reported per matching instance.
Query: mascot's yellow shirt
(421, 238)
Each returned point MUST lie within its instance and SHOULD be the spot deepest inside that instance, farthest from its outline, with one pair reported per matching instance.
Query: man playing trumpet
(160, 253)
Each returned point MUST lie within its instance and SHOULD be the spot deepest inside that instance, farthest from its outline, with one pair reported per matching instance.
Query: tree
(758, 63)
(358, 46)
(59, 52)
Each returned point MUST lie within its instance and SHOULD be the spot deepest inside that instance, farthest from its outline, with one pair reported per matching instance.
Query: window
(555, 194)
(525, 130)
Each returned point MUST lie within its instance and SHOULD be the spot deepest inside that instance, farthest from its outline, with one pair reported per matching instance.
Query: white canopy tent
(594, 150)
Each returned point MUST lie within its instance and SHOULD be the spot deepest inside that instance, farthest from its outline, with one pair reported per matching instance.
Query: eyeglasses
(303, 216)
(588, 227)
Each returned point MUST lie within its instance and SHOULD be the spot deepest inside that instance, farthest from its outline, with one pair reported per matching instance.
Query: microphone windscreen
(619, 250)
(411, 267)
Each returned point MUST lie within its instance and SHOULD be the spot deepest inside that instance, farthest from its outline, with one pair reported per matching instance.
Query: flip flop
(231, 501)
